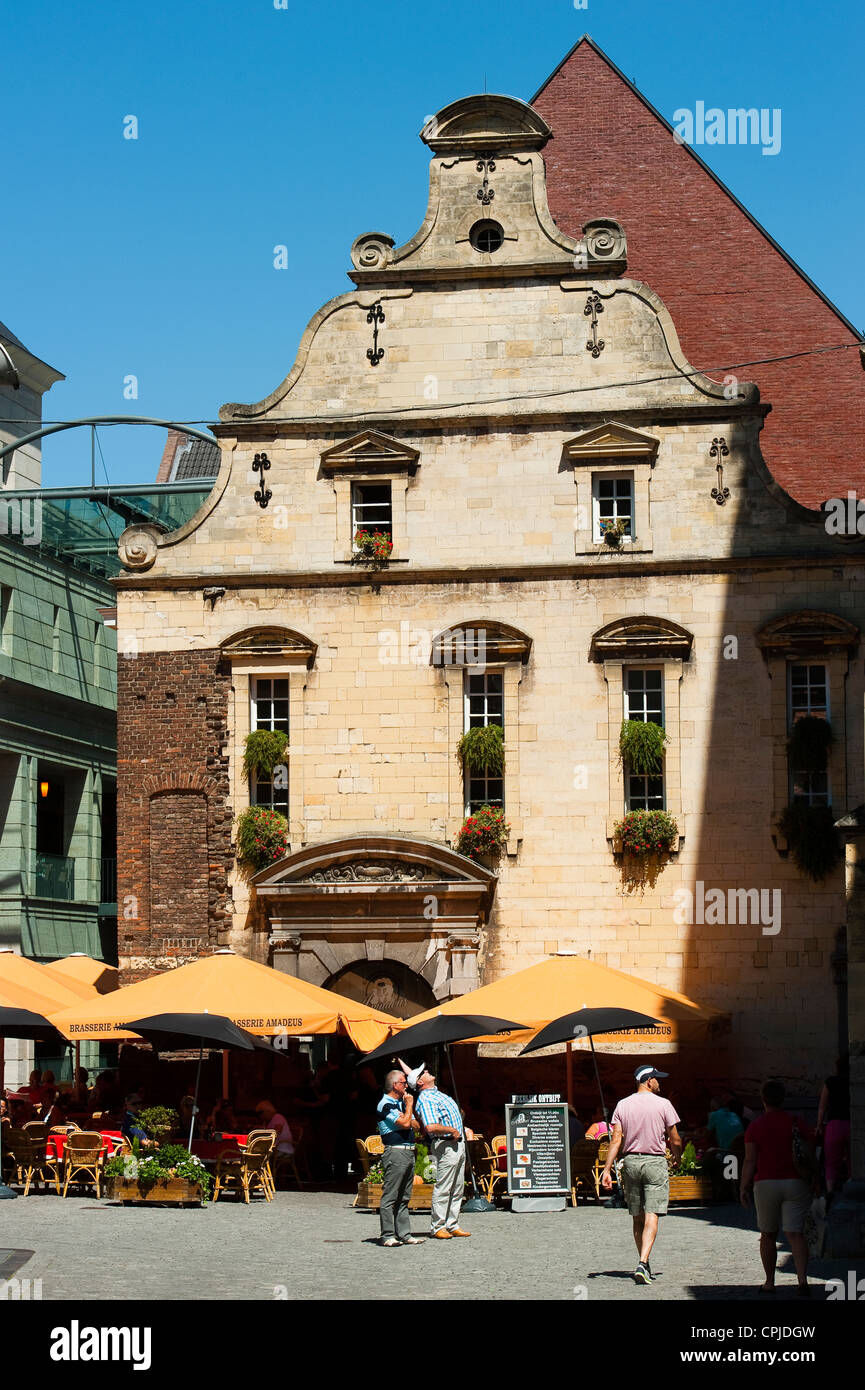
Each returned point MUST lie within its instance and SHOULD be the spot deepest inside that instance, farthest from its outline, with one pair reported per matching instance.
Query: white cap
(414, 1076)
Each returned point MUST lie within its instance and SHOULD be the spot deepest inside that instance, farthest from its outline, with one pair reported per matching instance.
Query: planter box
(177, 1192)
(369, 1196)
(690, 1188)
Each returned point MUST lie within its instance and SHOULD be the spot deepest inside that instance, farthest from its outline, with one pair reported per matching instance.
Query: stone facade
(511, 383)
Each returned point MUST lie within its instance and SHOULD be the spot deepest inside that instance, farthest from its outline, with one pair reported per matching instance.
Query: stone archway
(384, 984)
(376, 898)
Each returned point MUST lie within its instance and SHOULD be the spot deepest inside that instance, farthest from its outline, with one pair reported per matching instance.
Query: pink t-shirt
(283, 1133)
(645, 1119)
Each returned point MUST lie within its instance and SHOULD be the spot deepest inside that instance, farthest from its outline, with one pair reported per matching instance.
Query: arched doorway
(384, 984)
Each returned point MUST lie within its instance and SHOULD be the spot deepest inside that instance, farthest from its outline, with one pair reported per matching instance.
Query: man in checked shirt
(441, 1118)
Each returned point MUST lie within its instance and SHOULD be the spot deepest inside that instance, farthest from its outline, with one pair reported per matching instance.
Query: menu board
(539, 1158)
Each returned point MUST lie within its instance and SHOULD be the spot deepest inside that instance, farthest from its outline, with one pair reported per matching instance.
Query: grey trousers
(447, 1198)
(397, 1165)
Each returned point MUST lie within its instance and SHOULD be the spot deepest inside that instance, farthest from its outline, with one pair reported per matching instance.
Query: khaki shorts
(646, 1181)
(782, 1204)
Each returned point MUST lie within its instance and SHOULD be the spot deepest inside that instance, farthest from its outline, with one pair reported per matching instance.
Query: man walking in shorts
(644, 1124)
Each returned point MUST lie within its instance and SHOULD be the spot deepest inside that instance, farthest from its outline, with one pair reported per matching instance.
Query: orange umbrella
(103, 978)
(253, 996)
(20, 972)
(560, 984)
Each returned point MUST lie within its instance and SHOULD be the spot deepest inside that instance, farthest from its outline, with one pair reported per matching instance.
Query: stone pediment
(485, 122)
(370, 862)
(611, 440)
(369, 452)
(280, 642)
(641, 639)
(807, 631)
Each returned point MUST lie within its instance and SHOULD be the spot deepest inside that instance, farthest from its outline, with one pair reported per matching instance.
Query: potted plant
(643, 834)
(641, 746)
(369, 1189)
(613, 533)
(165, 1173)
(372, 549)
(263, 752)
(814, 842)
(262, 837)
(809, 744)
(158, 1121)
(687, 1180)
(484, 834)
(482, 750)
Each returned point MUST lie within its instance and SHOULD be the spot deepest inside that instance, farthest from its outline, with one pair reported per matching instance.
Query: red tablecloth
(208, 1150)
(56, 1144)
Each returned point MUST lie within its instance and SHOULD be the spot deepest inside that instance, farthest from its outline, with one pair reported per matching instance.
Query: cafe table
(208, 1150)
(55, 1145)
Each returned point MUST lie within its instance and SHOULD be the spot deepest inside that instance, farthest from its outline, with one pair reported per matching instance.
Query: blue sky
(261, 126)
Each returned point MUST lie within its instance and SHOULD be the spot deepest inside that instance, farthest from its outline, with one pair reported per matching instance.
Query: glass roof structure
(81, 525)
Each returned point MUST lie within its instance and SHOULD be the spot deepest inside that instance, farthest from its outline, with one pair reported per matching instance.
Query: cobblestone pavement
(313, 1245)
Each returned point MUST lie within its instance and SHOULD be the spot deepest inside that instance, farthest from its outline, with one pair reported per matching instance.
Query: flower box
(369, 1196)
(690, 1187)
(175, 1192)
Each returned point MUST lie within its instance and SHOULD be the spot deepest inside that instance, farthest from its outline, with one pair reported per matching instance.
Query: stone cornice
(458, 422)
(614, 567)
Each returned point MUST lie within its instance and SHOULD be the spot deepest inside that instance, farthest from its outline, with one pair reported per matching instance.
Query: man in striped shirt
(443, 1122)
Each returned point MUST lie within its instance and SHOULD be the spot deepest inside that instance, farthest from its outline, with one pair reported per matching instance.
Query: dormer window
(612, 471)
(370, 476)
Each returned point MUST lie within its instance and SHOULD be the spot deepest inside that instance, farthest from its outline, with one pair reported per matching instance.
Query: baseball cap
(645, 1073)
(414, 1076)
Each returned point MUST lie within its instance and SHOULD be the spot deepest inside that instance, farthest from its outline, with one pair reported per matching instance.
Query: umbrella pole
(5, 1192)
(569, 1071)
(225, 1073)
(195, 1101)
(476, 1203)
(76, 1084)
(598, 1079)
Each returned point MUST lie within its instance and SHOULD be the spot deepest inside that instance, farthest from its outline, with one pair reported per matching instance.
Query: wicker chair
(30, 1161)
(37, 1129)
(584, 1177)
(244, 1170)
(489, 1161)
(83, 1155)
(270, 1136)
(369, 1151)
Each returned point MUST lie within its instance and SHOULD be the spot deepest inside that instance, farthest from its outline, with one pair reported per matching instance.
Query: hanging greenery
(263, 751)
(262, 836)
(809, 744)
(641, 746)
(483, 750)
(814, 842)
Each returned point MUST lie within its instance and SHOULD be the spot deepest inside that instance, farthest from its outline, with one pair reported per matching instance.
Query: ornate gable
(641, 639)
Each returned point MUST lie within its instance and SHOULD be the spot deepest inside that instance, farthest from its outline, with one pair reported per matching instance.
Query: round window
(486, 236)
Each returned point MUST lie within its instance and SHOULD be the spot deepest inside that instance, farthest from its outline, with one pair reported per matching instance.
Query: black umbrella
(584, 1023)
(172, 1031)
(444, 1028)
(21, 1023)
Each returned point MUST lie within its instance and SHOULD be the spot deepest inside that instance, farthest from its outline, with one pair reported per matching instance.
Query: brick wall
(732, 295)
(174, 819)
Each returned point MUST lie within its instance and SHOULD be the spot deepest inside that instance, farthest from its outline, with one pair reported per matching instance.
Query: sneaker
(642, 1275)
(649, 1268)
(412, 1240)
(391, 1241)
